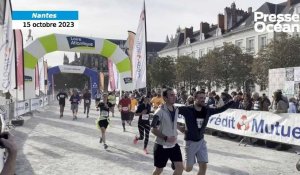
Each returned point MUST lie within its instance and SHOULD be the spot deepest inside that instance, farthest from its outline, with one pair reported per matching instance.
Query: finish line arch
(59, 42)
(92, 74)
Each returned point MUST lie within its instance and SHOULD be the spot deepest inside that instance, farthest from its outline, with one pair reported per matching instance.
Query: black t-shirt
(61, 97)
(140, 109)
(200, 117)
(104, 111)
(87, 97)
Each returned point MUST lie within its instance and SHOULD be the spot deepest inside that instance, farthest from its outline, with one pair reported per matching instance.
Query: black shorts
(125, 115)
(103, 123)
(162, 155)
(62, 104)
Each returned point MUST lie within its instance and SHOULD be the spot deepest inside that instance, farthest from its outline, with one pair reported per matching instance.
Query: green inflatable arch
(59, 42)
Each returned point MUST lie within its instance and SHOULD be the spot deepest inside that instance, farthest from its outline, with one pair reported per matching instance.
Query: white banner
(7, 52)
(20, 108)
(284, 128)
(41, 75)
(34, 104)
(139, 54)
(72, 69)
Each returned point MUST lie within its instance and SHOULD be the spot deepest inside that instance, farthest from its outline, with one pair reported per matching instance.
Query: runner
(103, 120)
(164, 127)
(196, 119)
(143, 112)
(97, 99)
(87, 102)
(112, 99)
(124, 108)
(133, 106)
(61, 97)
(75, 100)
(157, 101)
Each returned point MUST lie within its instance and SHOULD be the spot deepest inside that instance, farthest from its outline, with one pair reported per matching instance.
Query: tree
(162, 72)
(188, 70)
(167, 39)
(279, 53)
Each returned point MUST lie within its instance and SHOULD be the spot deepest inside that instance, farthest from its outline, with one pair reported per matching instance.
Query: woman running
(103, 120)
(143, 111)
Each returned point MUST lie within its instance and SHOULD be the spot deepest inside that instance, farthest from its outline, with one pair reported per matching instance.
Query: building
(235, 26)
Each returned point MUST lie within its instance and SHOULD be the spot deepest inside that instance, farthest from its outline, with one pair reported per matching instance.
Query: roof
(246, 22)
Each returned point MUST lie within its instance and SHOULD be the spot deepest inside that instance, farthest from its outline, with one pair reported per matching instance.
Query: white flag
(139, 53)
(7, 52)
(42, 75)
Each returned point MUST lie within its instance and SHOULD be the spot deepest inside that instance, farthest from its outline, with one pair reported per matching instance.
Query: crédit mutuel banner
(282, 128)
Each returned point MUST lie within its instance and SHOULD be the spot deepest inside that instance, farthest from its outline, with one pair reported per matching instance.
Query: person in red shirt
(124, 108)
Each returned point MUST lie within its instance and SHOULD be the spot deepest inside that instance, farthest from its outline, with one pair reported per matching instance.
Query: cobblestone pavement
(52, 146)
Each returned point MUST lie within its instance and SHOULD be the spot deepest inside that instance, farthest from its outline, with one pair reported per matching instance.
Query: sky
(111, 19)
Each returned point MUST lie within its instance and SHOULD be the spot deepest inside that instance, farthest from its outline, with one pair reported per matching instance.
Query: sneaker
(100, 140)
(84, 112)
(87, 116)
(173, 166)
(105, 146)
(135, 141)
(145, 151)
(124, 130)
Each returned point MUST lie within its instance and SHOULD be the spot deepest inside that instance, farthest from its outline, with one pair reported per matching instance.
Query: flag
(37, 81)
(7, 52)
(41, 75)
(111, 82)
(20, 65)
(130, 43)
(46, 76)
(139, 53)
(101, 76)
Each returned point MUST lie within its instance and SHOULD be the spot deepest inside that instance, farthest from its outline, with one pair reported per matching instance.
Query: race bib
(87, 101)
(62, 96)
(75, 100)
(145, 117)
(125, 109)
(104, 113)
(200, 122)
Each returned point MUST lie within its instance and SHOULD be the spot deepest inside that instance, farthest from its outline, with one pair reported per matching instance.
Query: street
(52, 146)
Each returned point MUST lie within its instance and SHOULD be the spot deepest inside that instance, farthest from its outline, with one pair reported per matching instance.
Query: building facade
(235, 26)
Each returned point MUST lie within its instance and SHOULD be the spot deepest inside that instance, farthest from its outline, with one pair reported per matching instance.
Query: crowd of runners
(158, 114)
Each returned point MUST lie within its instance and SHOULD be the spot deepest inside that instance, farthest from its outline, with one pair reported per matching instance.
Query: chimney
(204, 27)
(188, 32)
(221, 21)
(249, 10)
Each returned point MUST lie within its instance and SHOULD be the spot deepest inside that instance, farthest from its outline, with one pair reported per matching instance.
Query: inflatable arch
(59, 42)
(94, 78)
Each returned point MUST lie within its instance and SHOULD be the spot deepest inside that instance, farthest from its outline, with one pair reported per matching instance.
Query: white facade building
(235, 27)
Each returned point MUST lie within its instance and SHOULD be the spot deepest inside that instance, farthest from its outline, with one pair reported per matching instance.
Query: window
(188, 41)
(250, 45)
(201, 53)
(262, 42)
(209, 49)
(239, 43)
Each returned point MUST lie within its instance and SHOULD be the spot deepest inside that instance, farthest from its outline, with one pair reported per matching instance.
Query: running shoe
(145, 151)
(135, 141)
(100, 140)
(105, 146)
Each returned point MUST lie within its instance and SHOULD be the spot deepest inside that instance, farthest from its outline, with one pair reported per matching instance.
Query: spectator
(225, 97)
(292, 105)
(265, 102)
(189, 101)
(219, 102)
(279, 105)
(211, 101)
(247, 103)
(256, 102)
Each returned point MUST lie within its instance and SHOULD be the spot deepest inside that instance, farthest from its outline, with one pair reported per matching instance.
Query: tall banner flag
(20, 65)
(46, 76)
(101, 77)
(139, 53)
(112, 82)
(130, 43)
(37, 82)
(41, 75)
(29, 77)
(7, 51)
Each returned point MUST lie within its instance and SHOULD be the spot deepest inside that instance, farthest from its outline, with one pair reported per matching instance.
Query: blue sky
(113, 18)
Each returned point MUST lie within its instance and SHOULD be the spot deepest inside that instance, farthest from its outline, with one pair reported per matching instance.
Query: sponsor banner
(72, 69)
(27, 106)
(112, 82)
(7, 52)
(41, 101)
(45, 100)
(20, 108)
(284, 128)
(80, 42)
(20, 66)
(41, 75)
(34, 104)
(139, 54)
